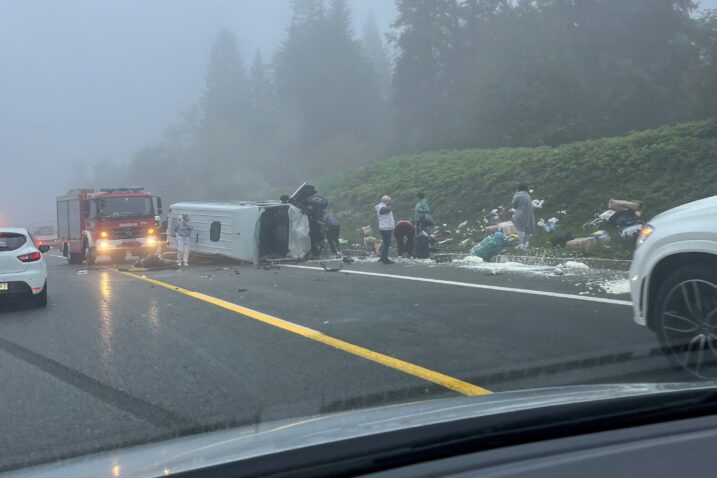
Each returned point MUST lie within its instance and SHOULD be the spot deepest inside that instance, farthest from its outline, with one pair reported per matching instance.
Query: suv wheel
(686, 319)
(40, 300)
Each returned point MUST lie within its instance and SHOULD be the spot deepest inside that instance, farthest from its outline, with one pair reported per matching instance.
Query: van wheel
(89, 253)
(686, 320)
(40, 300)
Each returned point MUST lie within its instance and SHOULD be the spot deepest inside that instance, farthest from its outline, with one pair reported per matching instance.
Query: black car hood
(232, 445)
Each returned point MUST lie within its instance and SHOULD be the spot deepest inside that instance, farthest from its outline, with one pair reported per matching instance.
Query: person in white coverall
(184, 232)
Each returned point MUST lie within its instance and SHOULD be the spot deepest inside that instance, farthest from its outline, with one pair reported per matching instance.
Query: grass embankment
(664, 167)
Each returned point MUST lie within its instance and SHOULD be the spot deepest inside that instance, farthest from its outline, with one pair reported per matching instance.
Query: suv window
(9, 241)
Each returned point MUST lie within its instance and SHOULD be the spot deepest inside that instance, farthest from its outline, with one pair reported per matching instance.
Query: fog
(87, 80)
(85, 85)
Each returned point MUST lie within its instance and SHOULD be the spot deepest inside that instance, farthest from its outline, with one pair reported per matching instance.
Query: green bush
(664, 167)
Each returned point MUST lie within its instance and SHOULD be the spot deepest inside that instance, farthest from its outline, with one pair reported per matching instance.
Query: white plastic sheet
(299, 240)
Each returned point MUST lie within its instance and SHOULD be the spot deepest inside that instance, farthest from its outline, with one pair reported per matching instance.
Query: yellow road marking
(394, 363)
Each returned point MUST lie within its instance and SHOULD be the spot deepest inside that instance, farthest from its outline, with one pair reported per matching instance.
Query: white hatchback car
(673, 283)
(22, 266)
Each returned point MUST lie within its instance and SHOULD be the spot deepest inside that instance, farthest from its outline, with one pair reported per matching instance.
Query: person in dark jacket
(333, 228)
(404, 237)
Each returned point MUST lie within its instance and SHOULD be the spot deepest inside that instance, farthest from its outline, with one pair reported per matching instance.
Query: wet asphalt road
(115, 360)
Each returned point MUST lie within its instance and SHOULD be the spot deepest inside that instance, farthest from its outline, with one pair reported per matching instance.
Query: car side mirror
(44, 248)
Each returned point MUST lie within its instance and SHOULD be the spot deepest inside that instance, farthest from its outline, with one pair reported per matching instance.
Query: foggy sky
(92, 79)
(89, 79)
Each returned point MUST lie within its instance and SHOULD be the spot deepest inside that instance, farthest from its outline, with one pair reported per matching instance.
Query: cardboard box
(491, 229)
(507, 227)
(622, 205)
(364, 231)
(582, 244)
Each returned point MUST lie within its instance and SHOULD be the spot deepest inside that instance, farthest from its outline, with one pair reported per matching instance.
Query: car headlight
(644, 234)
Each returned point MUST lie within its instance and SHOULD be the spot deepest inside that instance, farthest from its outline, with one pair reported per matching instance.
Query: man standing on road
(386, 225)
(523, 218)
(333, 229)
(183, 231)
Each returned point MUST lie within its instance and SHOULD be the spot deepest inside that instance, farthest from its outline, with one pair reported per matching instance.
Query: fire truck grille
(125, 233)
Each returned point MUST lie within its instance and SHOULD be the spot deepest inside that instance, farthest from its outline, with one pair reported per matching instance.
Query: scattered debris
(207, 276)
(489, 247)
(242, 290)
(365, 231)
(348, 260)
(576, 265)
(631, 232)
(561, 240)
(617, 286)
(443, 258)
(81, 272)
(331, 269)
(582, 244)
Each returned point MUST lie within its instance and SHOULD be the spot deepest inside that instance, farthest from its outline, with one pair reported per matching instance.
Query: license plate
(4, 286)
(130, 243)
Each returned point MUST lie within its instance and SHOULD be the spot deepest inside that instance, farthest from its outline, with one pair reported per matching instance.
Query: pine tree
(226, 94)
(420, 81)
(328, 89)
(224, 136)
(375, 50)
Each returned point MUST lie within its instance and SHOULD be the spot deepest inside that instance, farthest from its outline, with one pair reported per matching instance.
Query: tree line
(460, 74)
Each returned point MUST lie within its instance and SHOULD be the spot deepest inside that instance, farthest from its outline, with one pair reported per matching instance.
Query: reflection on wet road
(115, 359)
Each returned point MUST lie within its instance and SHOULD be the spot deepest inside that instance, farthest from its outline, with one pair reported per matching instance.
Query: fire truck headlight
(151, 241)
(103, 234)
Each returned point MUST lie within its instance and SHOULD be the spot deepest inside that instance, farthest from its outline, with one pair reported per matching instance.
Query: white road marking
(478, 286)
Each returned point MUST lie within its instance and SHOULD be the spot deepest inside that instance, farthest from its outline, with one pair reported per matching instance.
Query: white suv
(673, 283)
(22, 266)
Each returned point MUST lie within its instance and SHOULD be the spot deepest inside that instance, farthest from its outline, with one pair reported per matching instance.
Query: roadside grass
(664, 167)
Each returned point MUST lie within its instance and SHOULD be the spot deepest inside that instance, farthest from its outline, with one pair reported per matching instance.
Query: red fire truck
(107, 222)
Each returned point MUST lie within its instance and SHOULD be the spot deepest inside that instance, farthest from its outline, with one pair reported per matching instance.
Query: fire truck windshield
(130, 206)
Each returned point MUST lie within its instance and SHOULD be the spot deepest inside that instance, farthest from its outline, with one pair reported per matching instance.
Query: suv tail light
(30, 257)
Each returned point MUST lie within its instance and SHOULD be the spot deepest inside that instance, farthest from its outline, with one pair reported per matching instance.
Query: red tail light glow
(30, 257)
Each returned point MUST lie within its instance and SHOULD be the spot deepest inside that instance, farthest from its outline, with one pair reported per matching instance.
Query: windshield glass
(131, 206)
(252, 212)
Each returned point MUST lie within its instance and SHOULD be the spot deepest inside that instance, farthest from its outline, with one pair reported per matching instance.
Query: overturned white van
(245, 230)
